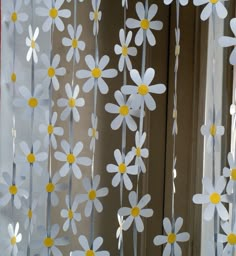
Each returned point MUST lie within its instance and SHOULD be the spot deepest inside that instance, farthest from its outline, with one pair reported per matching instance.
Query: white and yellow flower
(71, 215)
(95, 15)
(182, 2)
(96, 73)
(12, 190)
(145, 23)
(32, 44)
(53, 14)
(14, 238)
(122, 170)
(213, 198)
(142, 90)
(31, 217)
(172, 238)
(71, 103)
(136, 211)
(72, 159)
(74, 43)
(230, 173)
(93, 132)
(92, 196)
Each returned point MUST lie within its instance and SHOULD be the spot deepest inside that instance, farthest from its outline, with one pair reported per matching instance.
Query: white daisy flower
(31, 217)
(71, 215)
(31, 156)
(49, 242)
(51, 188)
(12, 190)
(145, 23)
(93, 194)
(122, 170)
(227, 41)
(14, 238)
(229, 238)
(172, 238)
(72, 159)
(51, 70)
(31, 103)
(124, 50)
(213, 198)
(72, 103)
(230, 173)
(136, 211)
(212, 131)
(31, 43)
(93, 132)
(182, 2)
(14, 17)
(142, 90)
(50, 130)
(212, 6)
(74, 43)
(95, 16)
(53, 14)
(124, 111)
(125, 3)
(96, 73)
(139, 152)
(90, 250)
(119, 232)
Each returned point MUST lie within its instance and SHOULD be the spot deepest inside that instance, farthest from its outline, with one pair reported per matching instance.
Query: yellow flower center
(231, 239)
(95, 15)
(171, 238)
(90, 253)
(70, 214)
(13, 240)
(96, 72)
(135, 211)
(33, 102)
(50, 187)
(213, 130)
(33, 44)
(143, 89)
(14, 17)
(30, 214)
(125, 50)
(94, 132)
(50, 129)
(31, 158)
(144, 24)
(124, 110)
(122, 168)
(13, 77)
(71, 102)
(53, 13)
(13, 190)
(48, 242)
(92, 194)
(51, 72)
(70, 158)
(74, 43)
(215, 198)
(233, 174)
(138, 151)
(214, 1)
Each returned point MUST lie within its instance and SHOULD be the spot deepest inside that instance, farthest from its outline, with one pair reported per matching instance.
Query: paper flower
(31, 43)
(74, 43)
(119, 232)
(229, 238)
(15, 17)
(71, 215)
(95, 16)
(51, 71)
(172, 238)
(231, 173)
(212, 131)
(136, 211)
(50, 130)
(51, 241)
(12, 190)
(124, 50)
(72, 159)
(53, 14)
(227, 41)
(93, 250)
(51, 188)
(14, 238)
(96, 73)
(72, 103)
(212, 6)
(182, 2)
(31, 156)
(31, 217)
(213, 198)
(139, 152)
(122, 170)
(145, 24)
(92, 132)
(93, 194)
(142, 90)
